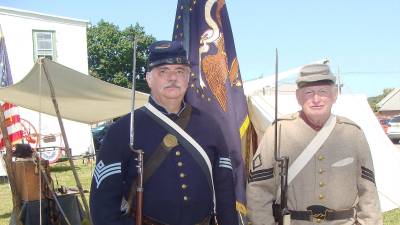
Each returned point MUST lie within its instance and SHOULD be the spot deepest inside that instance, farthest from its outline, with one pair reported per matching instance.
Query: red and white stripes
(12, 122)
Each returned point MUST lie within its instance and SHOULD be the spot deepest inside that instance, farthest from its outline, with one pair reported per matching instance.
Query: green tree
(110, 53)
(375, 100)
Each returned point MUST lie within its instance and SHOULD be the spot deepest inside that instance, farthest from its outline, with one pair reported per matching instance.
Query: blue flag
(215, 85)
(5, 73)
(12, 118)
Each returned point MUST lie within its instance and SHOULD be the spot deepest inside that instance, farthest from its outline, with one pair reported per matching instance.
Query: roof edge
(41, 16)
(388, 97)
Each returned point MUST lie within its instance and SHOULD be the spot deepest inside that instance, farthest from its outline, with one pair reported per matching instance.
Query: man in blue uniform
(187, 171)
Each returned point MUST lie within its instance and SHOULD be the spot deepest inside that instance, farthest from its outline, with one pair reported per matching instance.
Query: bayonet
(283, 213)
(139, 166)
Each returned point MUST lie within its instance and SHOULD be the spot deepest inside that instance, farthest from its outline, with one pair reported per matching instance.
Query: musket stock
(139, 190)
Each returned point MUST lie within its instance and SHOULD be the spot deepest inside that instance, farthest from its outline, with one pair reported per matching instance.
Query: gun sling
(299, 163)
(307, 154)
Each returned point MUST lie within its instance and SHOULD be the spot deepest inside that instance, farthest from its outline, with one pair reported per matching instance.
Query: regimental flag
(215, 84)
(12, 119)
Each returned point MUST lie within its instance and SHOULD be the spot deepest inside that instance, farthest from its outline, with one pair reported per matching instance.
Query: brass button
(321, 197)
(318, 221)
(321, 171)
(182, 175)
(184, 186)
(170, 141)
(185, 198)
(321, 184)
(180, 164)
(320, 158)
(177, 153)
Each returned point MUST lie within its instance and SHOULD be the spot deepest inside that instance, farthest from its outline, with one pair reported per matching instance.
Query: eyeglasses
(322, 92)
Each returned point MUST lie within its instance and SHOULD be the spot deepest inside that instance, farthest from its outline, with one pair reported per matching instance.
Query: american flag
(12, 119)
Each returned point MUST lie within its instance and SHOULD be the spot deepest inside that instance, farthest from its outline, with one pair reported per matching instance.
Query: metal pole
(49, 185)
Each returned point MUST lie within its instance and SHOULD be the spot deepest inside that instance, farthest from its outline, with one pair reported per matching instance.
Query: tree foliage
(375, 100)
(110, 53)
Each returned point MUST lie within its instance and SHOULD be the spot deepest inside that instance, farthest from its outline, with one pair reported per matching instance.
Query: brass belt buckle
(318, 217)
(318, 213)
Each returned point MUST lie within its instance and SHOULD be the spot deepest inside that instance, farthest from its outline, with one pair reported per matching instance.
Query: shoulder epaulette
(344, 120)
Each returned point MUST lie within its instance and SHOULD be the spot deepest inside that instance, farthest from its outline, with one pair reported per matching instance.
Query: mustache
(172, 85)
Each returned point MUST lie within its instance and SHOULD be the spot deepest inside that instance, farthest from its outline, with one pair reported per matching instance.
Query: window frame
(53, 45)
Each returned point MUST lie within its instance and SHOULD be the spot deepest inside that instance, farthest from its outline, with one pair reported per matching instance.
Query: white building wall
(17, 26)
(71, 46)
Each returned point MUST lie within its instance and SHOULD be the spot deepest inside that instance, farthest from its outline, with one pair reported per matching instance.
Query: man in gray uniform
(331, 175)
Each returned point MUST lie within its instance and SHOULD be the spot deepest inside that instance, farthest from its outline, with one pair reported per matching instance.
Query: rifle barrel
(132, 125)
(139, 188)
(283, 162)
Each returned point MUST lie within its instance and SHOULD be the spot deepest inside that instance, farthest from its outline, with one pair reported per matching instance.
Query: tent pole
(10, 172)
(67, 149)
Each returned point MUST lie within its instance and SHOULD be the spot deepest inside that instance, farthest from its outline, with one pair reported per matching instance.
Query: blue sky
(360, 38)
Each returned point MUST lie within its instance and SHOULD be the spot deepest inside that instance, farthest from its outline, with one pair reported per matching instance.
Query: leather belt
(151, 221)
(319, 213)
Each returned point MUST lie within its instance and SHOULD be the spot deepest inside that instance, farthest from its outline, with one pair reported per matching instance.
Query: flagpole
(8, 158)
(10, 172)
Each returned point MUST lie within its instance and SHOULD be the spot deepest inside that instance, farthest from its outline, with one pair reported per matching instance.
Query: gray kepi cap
(315, 73)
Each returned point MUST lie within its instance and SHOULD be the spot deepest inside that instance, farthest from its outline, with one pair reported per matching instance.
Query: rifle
(139, 166)
(281, 212)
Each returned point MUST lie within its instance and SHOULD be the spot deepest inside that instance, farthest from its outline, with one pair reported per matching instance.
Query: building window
(44, 45)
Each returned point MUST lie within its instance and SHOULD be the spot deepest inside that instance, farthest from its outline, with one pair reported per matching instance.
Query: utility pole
(339, 82)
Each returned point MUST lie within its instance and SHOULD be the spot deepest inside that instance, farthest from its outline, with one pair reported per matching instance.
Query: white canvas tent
(355, 107)
(82, 100)
(80, 97)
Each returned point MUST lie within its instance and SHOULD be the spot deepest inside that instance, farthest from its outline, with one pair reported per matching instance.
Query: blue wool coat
(178, 193)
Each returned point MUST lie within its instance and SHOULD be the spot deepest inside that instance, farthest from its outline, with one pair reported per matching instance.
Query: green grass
(6, 204)
(62, 175)
(392, 217)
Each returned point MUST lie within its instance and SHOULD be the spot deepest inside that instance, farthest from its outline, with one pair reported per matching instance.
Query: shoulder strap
(306, 155)
(188, 143)
(157, 158)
